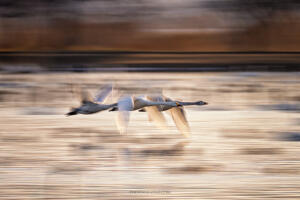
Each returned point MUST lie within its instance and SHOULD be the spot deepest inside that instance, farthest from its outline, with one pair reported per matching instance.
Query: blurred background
(191, 25)
(242, 57)
(135, 34)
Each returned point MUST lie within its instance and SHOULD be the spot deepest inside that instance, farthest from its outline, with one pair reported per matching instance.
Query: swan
(91, 105)
(177, 113)
(131, 103)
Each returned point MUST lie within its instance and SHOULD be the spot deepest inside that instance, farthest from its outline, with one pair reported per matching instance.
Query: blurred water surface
(244, 144)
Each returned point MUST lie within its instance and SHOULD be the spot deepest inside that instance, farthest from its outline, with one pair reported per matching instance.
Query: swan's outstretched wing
(83, 95)
(122, 121)
(154, 114)
(125, 105)
(155, 98)
(103, 94)
(180, 120)
(156, 117)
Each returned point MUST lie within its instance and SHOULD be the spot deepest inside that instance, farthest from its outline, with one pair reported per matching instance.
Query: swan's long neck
(188, 103)
(152, 103)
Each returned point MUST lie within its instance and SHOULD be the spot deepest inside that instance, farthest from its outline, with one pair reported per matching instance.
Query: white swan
(131, 103)
(91, 105)
(177, 113)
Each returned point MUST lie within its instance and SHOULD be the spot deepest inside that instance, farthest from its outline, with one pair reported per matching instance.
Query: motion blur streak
(241, 57)
(244, 143)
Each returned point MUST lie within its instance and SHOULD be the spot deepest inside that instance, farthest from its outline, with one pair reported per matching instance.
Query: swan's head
(74, 111)
(201, 103)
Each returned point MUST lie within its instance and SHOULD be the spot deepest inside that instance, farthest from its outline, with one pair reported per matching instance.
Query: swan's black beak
(73, 111)
(113, 109)
(202, 103)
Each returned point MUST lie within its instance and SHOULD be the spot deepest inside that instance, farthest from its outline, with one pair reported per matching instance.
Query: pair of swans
(153, 105)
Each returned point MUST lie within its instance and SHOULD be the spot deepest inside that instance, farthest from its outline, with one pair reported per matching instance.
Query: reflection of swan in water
(177, 113)
(131, 103)
(91, 105)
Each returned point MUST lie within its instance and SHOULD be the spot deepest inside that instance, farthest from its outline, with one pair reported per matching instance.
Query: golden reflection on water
(244, 144)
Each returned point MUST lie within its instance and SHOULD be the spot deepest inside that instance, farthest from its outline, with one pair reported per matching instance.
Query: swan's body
(131, 103)
(90, 108)
(161, 98)
(90, 105)
(177, 113)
